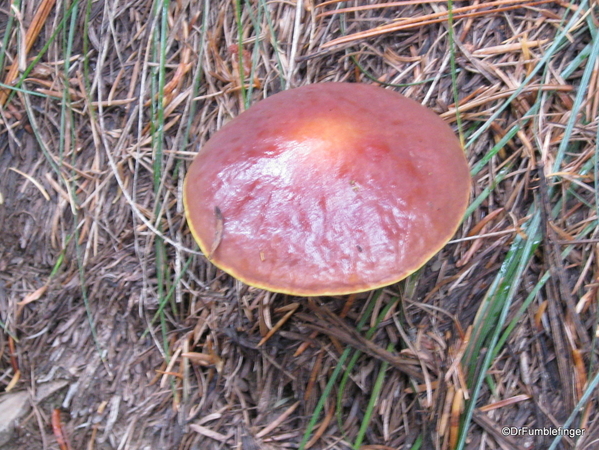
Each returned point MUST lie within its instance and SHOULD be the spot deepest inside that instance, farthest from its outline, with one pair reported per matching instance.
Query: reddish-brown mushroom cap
(330, 188)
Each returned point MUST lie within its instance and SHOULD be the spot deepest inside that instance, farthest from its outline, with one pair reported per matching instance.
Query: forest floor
(123, 336)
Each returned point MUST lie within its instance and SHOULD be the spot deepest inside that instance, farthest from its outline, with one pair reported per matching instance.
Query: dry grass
(101, 284)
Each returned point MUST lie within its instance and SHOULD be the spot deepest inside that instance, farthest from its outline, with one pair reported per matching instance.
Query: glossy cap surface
(326, 189)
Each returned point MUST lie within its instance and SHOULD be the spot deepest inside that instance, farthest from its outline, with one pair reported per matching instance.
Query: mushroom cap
(327, 189)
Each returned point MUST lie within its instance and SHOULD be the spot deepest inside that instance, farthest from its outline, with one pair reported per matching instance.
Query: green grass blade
(7, 32)
(240, 63)
(508, 278)
(274, 41)
(586, 396)
(335, 375)
(559, 38)
(374, 397)
(487, 191)
(578, 100)
(345, 379)
(452, 64)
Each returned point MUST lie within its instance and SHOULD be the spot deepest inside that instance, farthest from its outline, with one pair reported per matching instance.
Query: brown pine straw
(292, 308)
(504, 93)
(14, 364)
(429, 19)
(385, 5)
(278, 421)
(443, 424)
(506, 402)
(58, 429)
(32, 33)
(322, 427)
(314, 374)
(457, 406)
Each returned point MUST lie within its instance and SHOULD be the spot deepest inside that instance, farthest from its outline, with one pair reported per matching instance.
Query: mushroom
(327, 189)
